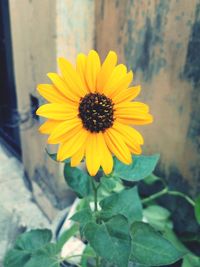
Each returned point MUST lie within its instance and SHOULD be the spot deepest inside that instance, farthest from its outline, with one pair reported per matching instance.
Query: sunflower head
(90, 111)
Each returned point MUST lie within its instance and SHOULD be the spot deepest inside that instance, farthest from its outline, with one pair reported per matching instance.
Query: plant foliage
(121, 228)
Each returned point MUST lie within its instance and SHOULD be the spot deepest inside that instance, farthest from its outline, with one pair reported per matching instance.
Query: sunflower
(91, 110)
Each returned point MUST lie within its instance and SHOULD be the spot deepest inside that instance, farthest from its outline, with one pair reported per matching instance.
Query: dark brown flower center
(96, 112)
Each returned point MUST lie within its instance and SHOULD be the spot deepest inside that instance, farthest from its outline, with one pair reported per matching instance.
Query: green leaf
(84, 216)
(157, 216)
(78, 180)
(171, 236)
(126, 202)
(47, 256)
(111, 240)
(191, 260)
(136, 264)
(88, 254)
(157, 213)
(66, 235)
(141, 167)
(191, 237)
(83, 203)
(33, 249)
(16, 257)
(108, 183)
(197, 209)
(53, 156)
(150, 248)
(104, 263)
(104, 215)
(111, 184)
(33, 240)
(151, 179)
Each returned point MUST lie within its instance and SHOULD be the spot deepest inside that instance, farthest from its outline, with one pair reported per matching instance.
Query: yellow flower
(90, 111)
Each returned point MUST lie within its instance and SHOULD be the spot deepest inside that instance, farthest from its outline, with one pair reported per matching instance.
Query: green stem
(154, 196)
(95, 191)
(175, 193)
(97, 261)
(167, 191)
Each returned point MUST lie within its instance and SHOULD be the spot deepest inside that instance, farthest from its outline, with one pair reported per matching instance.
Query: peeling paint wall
(160, 41)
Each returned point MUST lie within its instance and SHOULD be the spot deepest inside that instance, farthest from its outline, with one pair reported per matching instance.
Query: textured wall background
(34, 54)
(160, 41)
(42, 31)
(75, 27)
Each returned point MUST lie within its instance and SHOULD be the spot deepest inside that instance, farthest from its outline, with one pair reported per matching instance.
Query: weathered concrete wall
(75, 27)
(34, 53)
(41, 31)
(160, 41)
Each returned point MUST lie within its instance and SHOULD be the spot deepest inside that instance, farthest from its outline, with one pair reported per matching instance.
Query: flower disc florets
(96, 112)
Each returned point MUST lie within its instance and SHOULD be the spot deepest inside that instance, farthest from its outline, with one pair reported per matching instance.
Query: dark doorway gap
(9, 129)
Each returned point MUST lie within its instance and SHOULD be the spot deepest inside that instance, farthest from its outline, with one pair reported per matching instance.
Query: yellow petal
(57, 111)
(72, 145)
(107, 159)
(78, 156)
(134, 116)
(130, 107)
(136, 120)
(65, 137)
(61, 85)
(128, 132)
(131, 137)
(48, 126)
(122, 84)
(106, 70)
(93, 154)
(117, 75)
(72, 79)
(92, 69)
(134, 148)
(81, 69)
(51, 94)
(127, 94)
(117, 146)
(62, 129)
(131, 114)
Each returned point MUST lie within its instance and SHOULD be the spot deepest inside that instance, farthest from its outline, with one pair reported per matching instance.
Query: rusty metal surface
(160, 41)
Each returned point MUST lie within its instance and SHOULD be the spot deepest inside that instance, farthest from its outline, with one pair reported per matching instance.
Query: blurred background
(158, 39)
